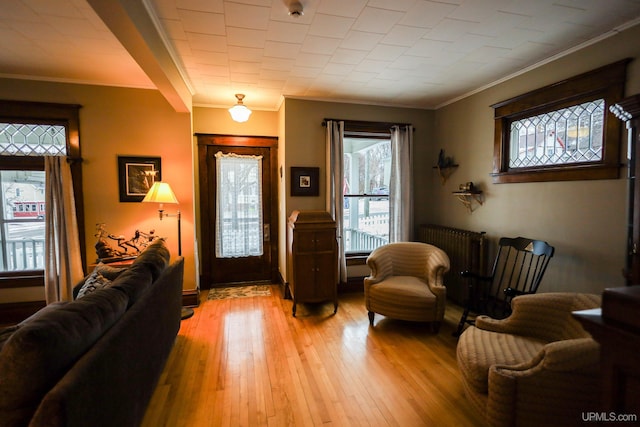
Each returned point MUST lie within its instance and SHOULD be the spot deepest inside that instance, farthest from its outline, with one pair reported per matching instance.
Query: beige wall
(116, 121)
(306, 144)
(584, 220)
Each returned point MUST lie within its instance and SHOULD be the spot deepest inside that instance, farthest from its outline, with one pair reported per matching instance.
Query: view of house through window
(367, 169)
(22, 201)
(567, 135)
(23, 210)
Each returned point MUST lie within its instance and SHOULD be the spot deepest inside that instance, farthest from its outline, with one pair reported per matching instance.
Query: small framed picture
(304, 181)
(136, 175)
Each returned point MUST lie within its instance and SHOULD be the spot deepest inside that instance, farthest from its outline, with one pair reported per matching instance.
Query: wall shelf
(445, 172)
(467, 198)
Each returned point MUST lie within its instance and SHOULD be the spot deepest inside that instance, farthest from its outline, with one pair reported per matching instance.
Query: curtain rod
(71, 159)
(379, 125)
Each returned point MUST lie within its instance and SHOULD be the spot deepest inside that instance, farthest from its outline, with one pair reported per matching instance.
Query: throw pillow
(94, 282)
(108, 271)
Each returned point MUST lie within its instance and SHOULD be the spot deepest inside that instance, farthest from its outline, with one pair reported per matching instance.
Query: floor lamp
(161, 192)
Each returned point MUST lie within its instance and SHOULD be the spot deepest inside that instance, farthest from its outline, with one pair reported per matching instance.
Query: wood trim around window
(603, 83)
(38, 112)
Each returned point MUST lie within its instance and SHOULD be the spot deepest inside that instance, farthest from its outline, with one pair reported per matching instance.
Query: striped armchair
(537, 367)
(406, 282)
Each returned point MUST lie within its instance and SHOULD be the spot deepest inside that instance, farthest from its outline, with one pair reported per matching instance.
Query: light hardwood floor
(248, 362)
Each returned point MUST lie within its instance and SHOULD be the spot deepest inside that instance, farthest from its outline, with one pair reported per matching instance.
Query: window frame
(45, 113)
(602, 83)
(368, 130)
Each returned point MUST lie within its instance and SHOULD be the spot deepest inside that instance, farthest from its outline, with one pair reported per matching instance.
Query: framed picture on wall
(136, 175)
(304, 181)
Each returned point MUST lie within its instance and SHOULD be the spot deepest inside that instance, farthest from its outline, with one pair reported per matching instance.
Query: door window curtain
(238, 205)
(63, 261)
(335, 159)
(400, 187)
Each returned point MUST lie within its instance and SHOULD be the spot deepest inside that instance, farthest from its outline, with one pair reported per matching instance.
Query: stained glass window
(564, 136)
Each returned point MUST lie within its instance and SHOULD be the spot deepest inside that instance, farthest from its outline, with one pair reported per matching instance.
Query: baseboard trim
(16, 312)
(190, 298)
(354, 284)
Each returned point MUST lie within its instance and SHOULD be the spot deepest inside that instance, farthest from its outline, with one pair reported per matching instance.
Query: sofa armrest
(380, 266)
(561, 369)
(437, 265)
(572, 355)
(545, 316)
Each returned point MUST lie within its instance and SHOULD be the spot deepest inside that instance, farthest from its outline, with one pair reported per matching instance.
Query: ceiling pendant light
(295, 9)
(239, 112)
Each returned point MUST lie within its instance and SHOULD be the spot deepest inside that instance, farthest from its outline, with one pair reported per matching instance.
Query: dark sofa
(94, 361)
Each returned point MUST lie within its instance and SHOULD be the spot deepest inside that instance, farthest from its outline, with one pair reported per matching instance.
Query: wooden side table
(616, 326)
(116, 264)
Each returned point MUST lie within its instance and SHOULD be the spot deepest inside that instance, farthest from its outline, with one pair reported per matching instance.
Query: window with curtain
(374, 186)
(27, 134)
(367, 169)
(239, 206)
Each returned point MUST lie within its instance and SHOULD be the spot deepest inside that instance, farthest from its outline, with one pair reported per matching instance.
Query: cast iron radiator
(467, 250)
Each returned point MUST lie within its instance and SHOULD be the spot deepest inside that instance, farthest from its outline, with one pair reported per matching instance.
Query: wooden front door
(238, 209)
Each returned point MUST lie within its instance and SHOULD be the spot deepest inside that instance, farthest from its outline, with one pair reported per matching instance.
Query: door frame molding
(207, 208)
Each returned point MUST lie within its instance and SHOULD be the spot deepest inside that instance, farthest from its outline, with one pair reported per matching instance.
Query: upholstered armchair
(537, 367)
(406, 282)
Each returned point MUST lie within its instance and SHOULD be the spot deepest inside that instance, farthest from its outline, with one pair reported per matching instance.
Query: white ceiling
(413, 53)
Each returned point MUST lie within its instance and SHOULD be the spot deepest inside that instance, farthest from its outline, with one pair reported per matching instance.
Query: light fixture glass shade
(160, 192)
(239, 112)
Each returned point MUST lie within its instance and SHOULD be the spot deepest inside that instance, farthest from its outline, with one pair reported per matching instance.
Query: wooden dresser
(312, 252)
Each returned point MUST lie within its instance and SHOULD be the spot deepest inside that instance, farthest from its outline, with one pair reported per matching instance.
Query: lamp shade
(160, 192)
(239, 112)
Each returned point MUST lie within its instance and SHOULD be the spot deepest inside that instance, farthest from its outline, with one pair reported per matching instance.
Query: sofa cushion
(146, 268)
(478, 350)
(403, 292)
(156, 257)
(133, 282)
(6, 333)
(94, 282)
(47, 344)
(108, 272)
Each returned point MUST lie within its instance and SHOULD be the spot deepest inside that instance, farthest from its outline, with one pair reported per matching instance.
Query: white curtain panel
(238, 206)
(63, 261)
(335, 176)
(400, 187)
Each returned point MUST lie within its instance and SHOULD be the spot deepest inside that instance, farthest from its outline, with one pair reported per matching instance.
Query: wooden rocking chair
(518, 269)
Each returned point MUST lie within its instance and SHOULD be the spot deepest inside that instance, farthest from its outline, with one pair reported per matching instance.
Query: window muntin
(566, 136)
(367, 169)
(546, 160)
